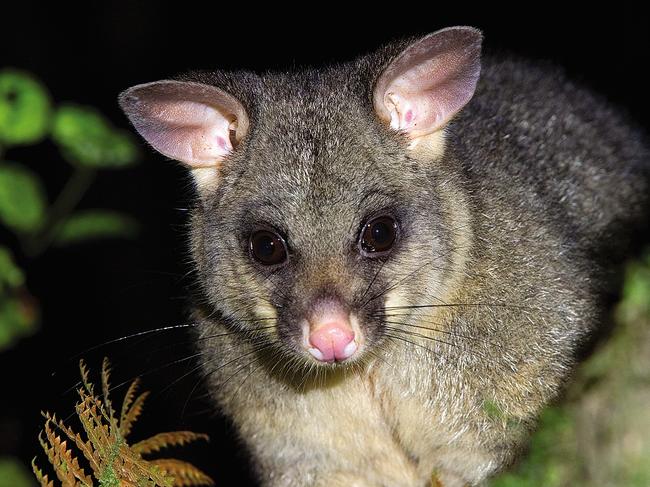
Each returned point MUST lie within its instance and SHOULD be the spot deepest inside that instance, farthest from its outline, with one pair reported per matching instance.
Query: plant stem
(67, 200)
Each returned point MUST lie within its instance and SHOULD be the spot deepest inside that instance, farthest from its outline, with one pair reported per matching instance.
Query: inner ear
(430, 81)
(193, 123)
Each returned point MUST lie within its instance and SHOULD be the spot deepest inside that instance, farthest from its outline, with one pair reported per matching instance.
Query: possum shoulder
(533, 133)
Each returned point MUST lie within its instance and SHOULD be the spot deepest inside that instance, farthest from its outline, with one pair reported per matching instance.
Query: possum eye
(267, 247)
(378, 236)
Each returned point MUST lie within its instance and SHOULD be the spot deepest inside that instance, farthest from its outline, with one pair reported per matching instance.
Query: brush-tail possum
(398, 257)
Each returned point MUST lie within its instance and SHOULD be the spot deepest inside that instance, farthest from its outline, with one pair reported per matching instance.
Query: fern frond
(165, 440)
(113, 461)
(185, 474)
(49, 450)
(60, 466)
(135, 469)
(68, 470)
(42, 479)
(128, 401)
(84, 447)
(106, 379)
(96, 430)
(131, 416)
(84, 377)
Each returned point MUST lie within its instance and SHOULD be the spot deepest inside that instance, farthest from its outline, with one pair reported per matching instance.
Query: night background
(90, 291)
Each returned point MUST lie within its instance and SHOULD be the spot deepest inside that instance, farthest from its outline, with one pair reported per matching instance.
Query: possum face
(325, 207)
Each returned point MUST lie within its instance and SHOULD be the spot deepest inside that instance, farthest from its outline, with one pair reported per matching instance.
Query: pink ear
(191, 122)
(430, 81)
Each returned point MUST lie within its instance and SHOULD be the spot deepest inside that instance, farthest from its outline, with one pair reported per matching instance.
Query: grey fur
(552, 181)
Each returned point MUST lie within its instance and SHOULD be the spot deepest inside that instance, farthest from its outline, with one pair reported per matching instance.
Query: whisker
(420, 335)
(373, 280)
(390, 287)
(409, 341)
(206, 337)
(133, 335)
(437, 330)
(213, 371)
(447, 305)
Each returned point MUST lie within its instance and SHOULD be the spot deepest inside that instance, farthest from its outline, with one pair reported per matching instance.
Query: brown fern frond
(49, 451)
(60, 466)
(135, 469)
(112, 460)
(131, 416)
(68, 471)
(84, 377)
(96, 430)
(42, 479)
(84, 447)
(185, 474)
(128, 401)
(106, 379)
(165, 440)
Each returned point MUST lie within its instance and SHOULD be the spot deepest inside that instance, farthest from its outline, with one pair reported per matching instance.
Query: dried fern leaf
(60, 466)
(165, 440)
(49, 450)
(136, 470)
(106, 378)
(84, 447)
(42, 479)
(68, 470)
(185, 474)
(131, 469)
(113, 461)
(84, 377)
(96, 430)
(128, 401)
(131, 416)
(115, 465)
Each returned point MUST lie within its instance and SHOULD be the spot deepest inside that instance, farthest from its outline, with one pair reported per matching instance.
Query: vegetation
(114, 461)
(88, 143)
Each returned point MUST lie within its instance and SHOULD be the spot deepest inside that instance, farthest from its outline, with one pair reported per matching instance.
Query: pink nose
(333, 341)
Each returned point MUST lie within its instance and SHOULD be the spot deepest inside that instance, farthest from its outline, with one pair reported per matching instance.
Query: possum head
(326, 208)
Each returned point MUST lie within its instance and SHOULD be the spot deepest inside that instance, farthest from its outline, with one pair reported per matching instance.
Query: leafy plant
(114, 461)
(85, 140)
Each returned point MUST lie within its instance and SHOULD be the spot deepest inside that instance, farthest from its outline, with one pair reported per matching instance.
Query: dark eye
(378, 235)
(267, 247)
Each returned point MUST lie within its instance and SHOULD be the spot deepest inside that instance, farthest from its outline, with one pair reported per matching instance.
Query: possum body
(394, 279)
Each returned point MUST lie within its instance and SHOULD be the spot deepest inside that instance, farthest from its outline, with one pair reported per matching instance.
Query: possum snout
(329, 333)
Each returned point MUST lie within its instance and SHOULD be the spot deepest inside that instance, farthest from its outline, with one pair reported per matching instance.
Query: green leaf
(22, 200)
(636, 291)
(95, 224)
(24, 108)
(11, 276)
(14, 474)
(86, 138)
(18, 317)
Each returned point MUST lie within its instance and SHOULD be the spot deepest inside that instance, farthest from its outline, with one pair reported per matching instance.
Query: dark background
(93, 293)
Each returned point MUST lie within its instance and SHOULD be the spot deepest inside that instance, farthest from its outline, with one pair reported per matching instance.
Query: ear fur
(429, 82)
(196, 124)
